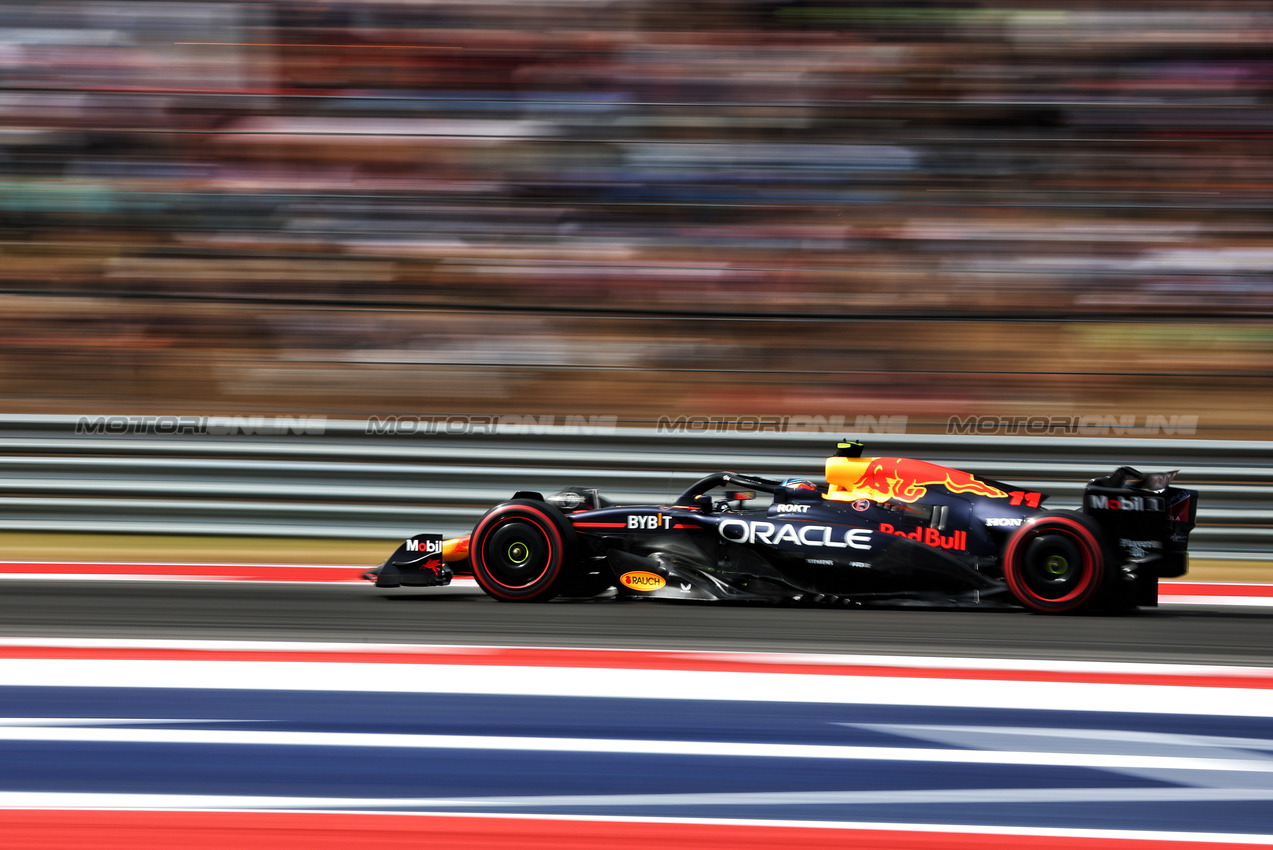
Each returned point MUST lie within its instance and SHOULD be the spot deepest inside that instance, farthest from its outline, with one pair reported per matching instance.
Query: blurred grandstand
(638, 208)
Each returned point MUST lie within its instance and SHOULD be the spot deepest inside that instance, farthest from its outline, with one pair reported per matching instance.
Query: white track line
(1011, 796)
(1235, 601)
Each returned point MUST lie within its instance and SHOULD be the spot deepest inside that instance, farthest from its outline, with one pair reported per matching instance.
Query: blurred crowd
(640, 207)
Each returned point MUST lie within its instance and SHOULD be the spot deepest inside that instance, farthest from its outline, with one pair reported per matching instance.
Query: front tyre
(520, 550)
(1055, 563)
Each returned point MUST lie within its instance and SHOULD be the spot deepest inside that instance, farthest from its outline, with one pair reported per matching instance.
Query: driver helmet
(799, 484)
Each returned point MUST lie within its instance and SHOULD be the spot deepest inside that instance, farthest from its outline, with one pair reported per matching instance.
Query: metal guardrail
(347, 483)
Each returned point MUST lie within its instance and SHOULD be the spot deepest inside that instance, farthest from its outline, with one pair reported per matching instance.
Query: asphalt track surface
(462, 615)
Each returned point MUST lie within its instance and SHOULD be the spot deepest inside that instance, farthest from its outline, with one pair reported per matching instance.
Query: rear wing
(1145, 520)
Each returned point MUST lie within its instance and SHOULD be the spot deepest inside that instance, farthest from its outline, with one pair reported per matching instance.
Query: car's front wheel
(520, 550)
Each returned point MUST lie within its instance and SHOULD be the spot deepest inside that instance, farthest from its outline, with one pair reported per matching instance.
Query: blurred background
(638, 208)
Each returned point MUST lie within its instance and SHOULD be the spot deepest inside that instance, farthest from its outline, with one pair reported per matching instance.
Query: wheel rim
(1054, 568)
(516, 553)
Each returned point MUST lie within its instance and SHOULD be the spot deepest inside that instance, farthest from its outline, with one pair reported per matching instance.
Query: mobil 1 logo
(425, 544)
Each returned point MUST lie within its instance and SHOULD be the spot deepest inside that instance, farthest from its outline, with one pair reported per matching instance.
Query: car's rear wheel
(1055, 563)
(520, 551)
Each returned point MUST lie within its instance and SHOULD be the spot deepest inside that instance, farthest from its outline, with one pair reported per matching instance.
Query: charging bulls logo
(908, 480)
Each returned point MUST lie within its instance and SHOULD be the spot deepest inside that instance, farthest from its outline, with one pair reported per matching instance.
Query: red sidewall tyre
(1055, 563)
(519, 550)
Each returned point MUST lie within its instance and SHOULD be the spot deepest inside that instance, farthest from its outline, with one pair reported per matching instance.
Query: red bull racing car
(881, 530)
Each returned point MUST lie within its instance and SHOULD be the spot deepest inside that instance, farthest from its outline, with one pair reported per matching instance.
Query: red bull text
(930, 536)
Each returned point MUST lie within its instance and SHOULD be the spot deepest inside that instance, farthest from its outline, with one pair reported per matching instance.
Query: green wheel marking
(1057, 565)
(518, 553)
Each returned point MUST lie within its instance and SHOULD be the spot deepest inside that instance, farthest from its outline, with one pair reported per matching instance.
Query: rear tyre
(521, 550)
(1055, 563)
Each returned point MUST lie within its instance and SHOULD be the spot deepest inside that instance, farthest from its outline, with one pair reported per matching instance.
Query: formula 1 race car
(880, 530)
